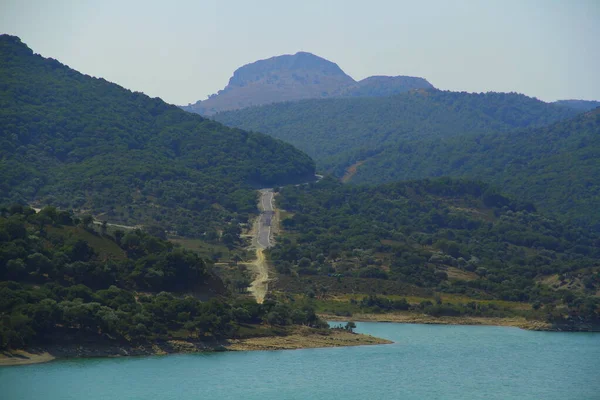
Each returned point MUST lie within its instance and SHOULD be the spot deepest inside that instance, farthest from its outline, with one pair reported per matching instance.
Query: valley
(220, 238)
(403, 193)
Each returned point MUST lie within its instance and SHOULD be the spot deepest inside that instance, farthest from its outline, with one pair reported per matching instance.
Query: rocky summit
(296, 77)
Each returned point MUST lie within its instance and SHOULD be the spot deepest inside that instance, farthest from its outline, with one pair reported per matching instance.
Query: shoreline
(409, 318)
(302, 338)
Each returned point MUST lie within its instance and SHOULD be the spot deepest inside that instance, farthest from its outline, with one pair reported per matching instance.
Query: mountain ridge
(299, 76)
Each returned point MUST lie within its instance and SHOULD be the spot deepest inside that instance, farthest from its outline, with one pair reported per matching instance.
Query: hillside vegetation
(579, 105)
(78, 142)
(61, 281)
(542, 153)
(340, 132)
(556, 167)
(449, 236)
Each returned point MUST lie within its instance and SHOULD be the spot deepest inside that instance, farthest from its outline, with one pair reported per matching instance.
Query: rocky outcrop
(283, 78)
(296, 77)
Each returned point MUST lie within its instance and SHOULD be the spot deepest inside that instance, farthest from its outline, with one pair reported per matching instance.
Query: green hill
(74, 141)
(543, 153)
(340, 132)
(556, 167)
(449, 236)
(297, 76)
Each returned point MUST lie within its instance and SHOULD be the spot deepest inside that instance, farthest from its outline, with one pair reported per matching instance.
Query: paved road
(265, 219)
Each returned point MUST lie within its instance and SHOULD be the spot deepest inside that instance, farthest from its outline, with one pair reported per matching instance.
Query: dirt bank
(302, 340)
(299, 338)
(21, 357)
(409, 318)
(260, 285)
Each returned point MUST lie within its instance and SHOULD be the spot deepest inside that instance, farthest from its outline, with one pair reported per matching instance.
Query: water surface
(425, 362)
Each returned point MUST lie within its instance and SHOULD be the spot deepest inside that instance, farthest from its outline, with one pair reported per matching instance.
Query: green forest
(339, 132)
(555, 167)
(541, 152)
(58, 276)
(450, 236)
(77, 142)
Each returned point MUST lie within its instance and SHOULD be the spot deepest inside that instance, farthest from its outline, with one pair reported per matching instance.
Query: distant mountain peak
(290, 63)
(298, 76)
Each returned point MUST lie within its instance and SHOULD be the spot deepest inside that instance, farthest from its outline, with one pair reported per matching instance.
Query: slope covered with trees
(556, 167)
(451, 236)
(74, 141)
(544, 153)
(340, 132)
(60, 279)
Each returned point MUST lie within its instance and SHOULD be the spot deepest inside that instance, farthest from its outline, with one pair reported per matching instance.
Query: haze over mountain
(295, 77)
(579, 105)
(74, 141)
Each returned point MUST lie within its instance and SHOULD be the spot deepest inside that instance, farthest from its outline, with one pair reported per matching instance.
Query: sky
(182, 51)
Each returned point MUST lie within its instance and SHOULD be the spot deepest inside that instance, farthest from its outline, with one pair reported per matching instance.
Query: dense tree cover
(453, 236)
(555, 167)
(381, 86)
(57, 275)
(437, 308)
(77, 142)
(339, 132)
(526, 147)
(580, 105)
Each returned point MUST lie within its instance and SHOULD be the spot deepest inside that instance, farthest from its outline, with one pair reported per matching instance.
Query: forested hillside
(523, 146)
(340, 132)
(74, 141)
(60, 280)
(451, 236)
(556, 167)
(579, 105)
(381, 86)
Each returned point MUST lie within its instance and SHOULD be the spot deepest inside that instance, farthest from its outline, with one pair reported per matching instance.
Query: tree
(350, 326)
(87, 220)
(119, 236)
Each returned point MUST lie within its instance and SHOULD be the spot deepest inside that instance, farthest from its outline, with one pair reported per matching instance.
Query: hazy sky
(183, 51)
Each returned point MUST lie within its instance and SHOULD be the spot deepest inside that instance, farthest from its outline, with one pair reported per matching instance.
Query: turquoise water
(425, 362)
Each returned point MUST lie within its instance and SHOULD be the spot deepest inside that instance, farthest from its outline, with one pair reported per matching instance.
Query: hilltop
(83, 143)
(294, 77)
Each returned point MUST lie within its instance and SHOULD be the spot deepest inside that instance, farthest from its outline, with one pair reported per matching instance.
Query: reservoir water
(425, 362)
